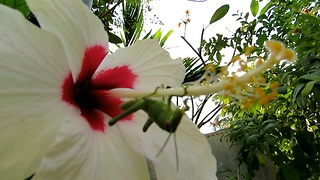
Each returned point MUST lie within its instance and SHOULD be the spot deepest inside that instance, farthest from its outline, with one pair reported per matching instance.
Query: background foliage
(286, 130)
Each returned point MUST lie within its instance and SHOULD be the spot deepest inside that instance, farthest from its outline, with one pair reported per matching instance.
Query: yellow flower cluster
(249, 89)
(209, 76)
(280, 52)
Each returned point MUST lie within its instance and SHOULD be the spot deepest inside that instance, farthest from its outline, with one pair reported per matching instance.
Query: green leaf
(123, 39)
(252, 140)
(220, 13)
(252, 162)
(263, 148)
(165, 37)
(316, 92)
(304, 141)
(265, 8)
(286, 132)
(157, 35)
(305, 62)
(261, 158)
(315, 66)
(282, 89)
(267, 122)
(132, 13)
(308, 19)
(296, 92)
(306, 90)
(19, 5)
(312, 77)
(218, 56)
(261, 39)
(288, 172)
(301, 101)
(147, 35)
(114, 38)
(254, 7)
(269, 139)
(270, 127)
(298, 155)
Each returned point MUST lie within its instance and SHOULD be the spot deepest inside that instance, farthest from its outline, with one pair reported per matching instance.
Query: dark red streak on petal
(90, 94)
(92, 58)
(68, 90)
(73, 96)
(118, 77)
(94, 117)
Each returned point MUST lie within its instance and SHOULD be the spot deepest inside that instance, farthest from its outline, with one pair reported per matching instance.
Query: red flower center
(90, 93)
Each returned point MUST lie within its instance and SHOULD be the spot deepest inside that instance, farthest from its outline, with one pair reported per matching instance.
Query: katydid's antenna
(176, 148)
(164, 145)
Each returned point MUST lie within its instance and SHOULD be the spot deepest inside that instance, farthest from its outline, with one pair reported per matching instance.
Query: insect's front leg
(129, 107)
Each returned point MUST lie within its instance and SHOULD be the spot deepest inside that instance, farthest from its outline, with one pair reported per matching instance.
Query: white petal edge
(194, 154)
(81, 153)
(152, 65)
(72, 21)
(32, 68)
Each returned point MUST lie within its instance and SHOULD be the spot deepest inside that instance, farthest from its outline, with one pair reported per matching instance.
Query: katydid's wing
(134, 106)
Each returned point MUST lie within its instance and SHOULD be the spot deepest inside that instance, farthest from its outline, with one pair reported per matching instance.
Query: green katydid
(158, 112)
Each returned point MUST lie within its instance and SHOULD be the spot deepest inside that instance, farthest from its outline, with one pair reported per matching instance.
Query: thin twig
(192, 107)
(202, 106)
(111, 9)
(234, 52)
(203, 62)
(215, 111)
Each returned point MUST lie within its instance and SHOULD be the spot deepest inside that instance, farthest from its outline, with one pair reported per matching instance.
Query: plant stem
(196, 90)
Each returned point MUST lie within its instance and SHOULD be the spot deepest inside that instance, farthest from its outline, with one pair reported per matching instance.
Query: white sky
(170, 12)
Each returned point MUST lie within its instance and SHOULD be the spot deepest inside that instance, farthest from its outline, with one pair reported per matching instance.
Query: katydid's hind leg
(147, 125)
(135, 106)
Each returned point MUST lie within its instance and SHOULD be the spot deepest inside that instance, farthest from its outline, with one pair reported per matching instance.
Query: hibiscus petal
(194, 155)
(80, 153)
(81, 32)
(32, 68)
(151, 65)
